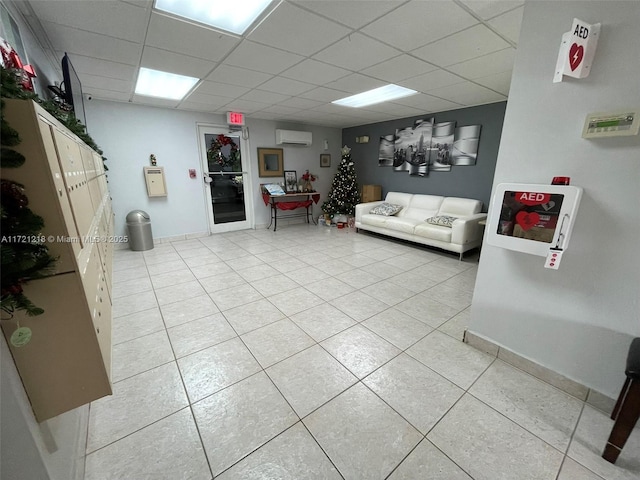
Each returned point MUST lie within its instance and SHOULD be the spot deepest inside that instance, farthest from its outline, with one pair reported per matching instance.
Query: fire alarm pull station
(192, 173)
(534, 219)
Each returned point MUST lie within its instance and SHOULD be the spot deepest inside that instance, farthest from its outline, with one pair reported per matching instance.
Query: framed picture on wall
(290, 181)
(270, 162)
(325, 160)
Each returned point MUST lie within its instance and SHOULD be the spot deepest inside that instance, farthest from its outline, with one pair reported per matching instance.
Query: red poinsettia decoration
(308, 177)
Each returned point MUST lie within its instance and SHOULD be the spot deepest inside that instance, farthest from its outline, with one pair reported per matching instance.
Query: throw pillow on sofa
(442, 220)
(386, 209)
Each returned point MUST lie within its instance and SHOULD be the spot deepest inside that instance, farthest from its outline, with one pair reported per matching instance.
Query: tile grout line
(388, 307)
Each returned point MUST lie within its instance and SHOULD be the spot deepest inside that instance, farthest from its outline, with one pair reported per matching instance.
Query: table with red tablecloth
(291, 201)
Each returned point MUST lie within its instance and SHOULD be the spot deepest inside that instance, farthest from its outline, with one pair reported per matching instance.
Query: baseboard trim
(591, 397)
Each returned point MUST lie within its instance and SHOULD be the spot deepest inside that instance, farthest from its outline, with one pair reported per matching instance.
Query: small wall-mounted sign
(235, 119)
(577, 50)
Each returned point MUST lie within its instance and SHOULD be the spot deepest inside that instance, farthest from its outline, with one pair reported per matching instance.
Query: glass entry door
(225, 178)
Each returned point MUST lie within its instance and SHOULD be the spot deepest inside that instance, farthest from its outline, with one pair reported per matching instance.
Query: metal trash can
(139, 226)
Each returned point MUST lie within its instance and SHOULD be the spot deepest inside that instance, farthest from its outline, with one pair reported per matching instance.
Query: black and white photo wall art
(429, 147)
(385, 151)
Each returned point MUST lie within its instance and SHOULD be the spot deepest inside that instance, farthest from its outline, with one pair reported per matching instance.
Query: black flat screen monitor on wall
(73, 90)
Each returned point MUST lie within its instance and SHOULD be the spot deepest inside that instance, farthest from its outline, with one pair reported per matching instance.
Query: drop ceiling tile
(467, 93)
(89, 44)
(211, 101)
(301, 103)
(156, 102)
(471, 43)
(196, 106)
(114, 19)
(404, 110)
(104, 83)
(139, 3)
(263, 96)
(429, 81)
(245, 106)
(332, 119)
(356, 52)
(279, 109)
(368, 115)
(323, 94)
(509, 24)
(102, 68)
(387, 111)
(286, 86)
(353, 14)
(496, 62)
(238, 76)
(490, 8)
(418, 22)
(334, 109)
(500, 82)
(179, 36)
(427, 103)
(311, 32)
(356, 83)
(175, 62)
(99, 94)
(221, 89)
(312, 71)
(399, 68)
(262, 58)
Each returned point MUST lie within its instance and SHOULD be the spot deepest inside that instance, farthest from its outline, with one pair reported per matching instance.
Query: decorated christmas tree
(344, 195)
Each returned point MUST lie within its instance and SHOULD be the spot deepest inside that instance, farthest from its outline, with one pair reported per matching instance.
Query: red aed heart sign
(576, 53)
(526, 220)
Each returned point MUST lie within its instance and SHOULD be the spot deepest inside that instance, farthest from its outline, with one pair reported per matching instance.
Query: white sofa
(410, 223)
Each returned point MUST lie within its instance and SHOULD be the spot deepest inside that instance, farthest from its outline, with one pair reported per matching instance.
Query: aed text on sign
(532, 198)
(581, 32)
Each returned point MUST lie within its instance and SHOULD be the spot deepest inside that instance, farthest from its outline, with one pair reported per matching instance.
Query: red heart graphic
(576, 52)
(526, 220)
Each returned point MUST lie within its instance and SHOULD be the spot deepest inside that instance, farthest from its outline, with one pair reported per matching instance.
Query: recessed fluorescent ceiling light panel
(154, 83)
(377, 95)
(229, 15)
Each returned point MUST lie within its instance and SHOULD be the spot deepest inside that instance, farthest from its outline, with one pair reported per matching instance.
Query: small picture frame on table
(290, 181)
(325, 160)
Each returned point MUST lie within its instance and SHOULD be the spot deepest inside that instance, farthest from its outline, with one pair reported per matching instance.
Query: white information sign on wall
(577, 50)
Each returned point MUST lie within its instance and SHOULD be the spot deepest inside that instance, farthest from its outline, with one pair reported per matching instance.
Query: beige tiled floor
(317, 353)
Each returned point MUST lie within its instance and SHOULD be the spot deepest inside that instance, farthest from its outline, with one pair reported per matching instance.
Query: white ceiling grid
(301, 57)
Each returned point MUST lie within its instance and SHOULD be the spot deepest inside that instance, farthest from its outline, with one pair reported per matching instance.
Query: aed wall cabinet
(532, 218)
(67, 362)
(156, 184)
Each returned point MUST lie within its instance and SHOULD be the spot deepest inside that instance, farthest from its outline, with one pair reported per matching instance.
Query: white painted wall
(580, 319)
(298, 158)
(128, 134)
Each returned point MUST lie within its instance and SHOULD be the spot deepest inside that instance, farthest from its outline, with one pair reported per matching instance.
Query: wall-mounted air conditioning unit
(293, 137)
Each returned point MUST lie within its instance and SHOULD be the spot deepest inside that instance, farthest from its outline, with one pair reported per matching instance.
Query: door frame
(215, 129)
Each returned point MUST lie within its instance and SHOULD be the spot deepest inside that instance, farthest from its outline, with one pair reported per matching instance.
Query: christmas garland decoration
(12, 89)
(23, 257)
